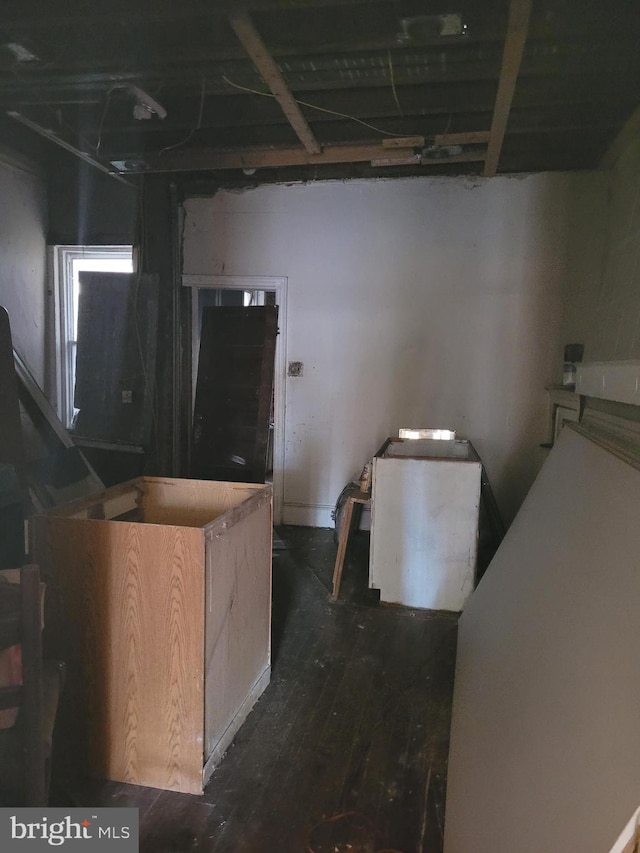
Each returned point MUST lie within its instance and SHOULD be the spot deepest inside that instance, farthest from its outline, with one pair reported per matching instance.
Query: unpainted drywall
(23, 227)
(411, 303)
(544, 734)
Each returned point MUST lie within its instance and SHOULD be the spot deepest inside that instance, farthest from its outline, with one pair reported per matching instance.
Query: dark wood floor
(347, 748)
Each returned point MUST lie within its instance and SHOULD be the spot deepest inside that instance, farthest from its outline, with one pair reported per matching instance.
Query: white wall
(23, 226)
(417, 302)
(606, 315)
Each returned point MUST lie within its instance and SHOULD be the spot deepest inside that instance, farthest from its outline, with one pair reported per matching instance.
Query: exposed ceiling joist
(526, 85)
(630, 130)
(517, 27)
(256, 49)
(471, 137)
(258, 158)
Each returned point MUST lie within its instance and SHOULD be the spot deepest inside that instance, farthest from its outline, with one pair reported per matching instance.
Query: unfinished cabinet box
(162, 610)
(424, 525)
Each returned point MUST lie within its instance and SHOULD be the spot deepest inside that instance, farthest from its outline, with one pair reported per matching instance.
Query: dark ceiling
(303, 89)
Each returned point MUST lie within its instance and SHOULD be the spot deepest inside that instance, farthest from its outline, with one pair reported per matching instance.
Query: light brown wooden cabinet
(161, 606)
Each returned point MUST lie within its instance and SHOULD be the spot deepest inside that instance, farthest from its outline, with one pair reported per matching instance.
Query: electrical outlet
(295, 368)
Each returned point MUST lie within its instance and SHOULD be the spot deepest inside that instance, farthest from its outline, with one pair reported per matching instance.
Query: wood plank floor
(346, 750)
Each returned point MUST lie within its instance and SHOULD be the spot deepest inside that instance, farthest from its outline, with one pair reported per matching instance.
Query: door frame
(278, 285)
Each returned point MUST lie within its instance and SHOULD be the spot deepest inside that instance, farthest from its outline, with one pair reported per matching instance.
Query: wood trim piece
(261, 158)
(629, 131)
(220, 525)
(517, 28)
(79, 507)
(403, 142)
(251, 40)
(345, 533)
(472, 137)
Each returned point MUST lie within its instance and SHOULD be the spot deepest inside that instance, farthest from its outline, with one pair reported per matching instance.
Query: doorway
(208, 290)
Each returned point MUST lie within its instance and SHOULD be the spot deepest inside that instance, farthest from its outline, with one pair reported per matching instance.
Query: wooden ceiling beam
(472, 137)
(517, 27)
(259, 158)
(257, 51)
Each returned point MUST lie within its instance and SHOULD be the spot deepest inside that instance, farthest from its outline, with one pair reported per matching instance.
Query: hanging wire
(393, 84)
(198, 123)
(103, 117)
(313, 107)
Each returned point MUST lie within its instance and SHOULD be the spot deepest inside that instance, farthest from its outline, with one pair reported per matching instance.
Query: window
(68, 263)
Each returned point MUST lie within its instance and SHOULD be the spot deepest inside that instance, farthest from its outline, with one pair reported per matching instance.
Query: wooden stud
(262, 158)
(473, 137)
(399, 158)
(629, 131)
(252, 42)
(343, 544)
(517, 28)
(404, 142)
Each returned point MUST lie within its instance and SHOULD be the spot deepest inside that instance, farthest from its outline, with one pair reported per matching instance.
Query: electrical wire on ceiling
(313, 107)
(103, 117)
(198, 124)
(393, 84)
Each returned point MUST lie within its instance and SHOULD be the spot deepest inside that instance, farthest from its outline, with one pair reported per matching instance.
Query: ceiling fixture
(20, 52)
(128, 165)
(145, 106)
(420, 28)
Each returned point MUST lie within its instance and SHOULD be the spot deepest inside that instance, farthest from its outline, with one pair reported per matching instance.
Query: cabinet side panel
(424, 531)
(238, 625)
(127, 616)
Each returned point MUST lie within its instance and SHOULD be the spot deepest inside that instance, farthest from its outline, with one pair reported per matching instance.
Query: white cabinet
(426, 497)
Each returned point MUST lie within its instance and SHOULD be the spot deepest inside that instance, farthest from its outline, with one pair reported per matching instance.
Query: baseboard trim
(307, 515)
(318, 515)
